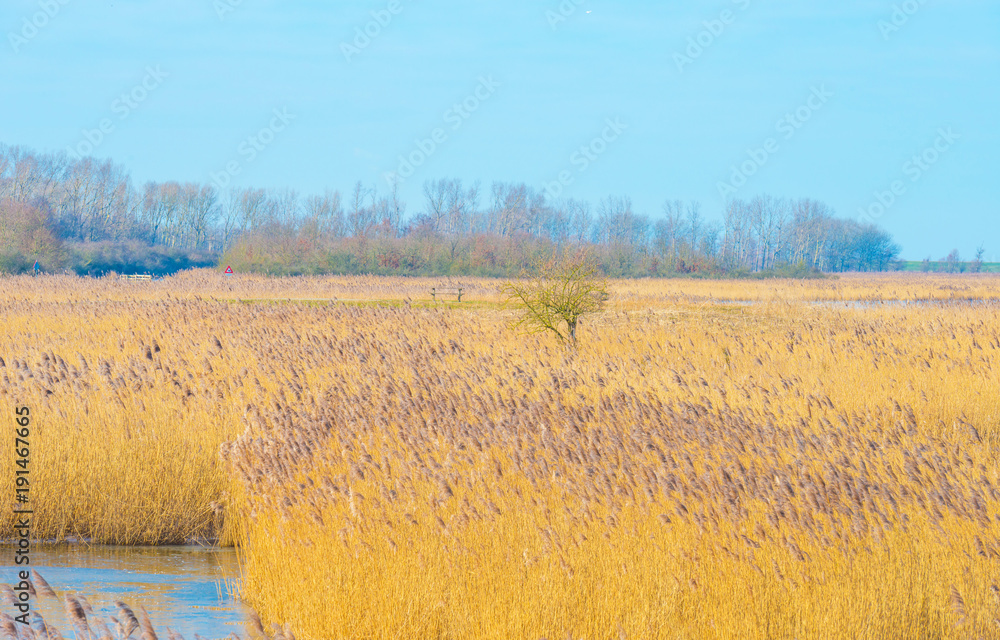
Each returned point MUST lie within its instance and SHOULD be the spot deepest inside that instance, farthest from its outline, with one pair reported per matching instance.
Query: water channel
(184, 588)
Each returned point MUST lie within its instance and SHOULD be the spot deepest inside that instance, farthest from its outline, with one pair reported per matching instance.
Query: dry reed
(694, 469)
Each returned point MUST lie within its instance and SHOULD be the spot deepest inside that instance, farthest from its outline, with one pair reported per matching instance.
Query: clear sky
(697, 96)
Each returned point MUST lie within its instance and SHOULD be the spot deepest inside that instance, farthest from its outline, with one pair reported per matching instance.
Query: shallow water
(183, 588)
(868, 304)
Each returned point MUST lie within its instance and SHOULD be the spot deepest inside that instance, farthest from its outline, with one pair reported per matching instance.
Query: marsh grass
(692, 469)
(776, 471)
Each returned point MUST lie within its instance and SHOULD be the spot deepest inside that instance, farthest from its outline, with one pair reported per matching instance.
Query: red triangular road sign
(229, 271)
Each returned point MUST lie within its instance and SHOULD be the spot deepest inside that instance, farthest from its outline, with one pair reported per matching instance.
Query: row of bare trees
(765, 232)
(93, 200)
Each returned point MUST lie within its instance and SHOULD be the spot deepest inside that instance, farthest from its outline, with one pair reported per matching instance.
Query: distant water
(183, 588)
(869, 304)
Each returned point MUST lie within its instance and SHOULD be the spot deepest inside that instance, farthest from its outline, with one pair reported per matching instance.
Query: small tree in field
(976, 266)
(559, 294)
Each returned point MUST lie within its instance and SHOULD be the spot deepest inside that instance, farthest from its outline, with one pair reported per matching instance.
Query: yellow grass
(822, 474)
(129, 403)
(695, 469)
(209, 285)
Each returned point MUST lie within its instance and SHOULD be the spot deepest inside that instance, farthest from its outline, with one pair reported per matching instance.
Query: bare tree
(509, 209)
(556, 226)
(976, 266)
(953, 262)
(231, 216)
(324, 217)
(204, 213)
(253, 209)
(87, 200)
(461, 207)
(396, 211)
(581, 221)
(768, 216)
(436, 198)
(669, 232)
(618, 225)
(739, 245)
(361, 217)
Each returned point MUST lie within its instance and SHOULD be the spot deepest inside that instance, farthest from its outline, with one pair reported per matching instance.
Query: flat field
(716, 459)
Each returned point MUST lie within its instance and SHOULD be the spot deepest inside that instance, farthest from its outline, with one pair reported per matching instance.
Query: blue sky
(698, 91)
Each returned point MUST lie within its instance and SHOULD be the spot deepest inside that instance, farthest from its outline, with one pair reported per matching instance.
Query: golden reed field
(806, 466)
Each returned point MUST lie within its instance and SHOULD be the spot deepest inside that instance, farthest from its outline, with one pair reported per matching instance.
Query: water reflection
(184, 588)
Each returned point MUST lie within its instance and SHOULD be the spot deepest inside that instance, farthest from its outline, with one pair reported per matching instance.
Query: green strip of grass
(938, 267)
(416, 304)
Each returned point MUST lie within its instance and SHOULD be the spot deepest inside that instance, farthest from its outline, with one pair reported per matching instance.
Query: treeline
(87, 215)
(953, 263)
